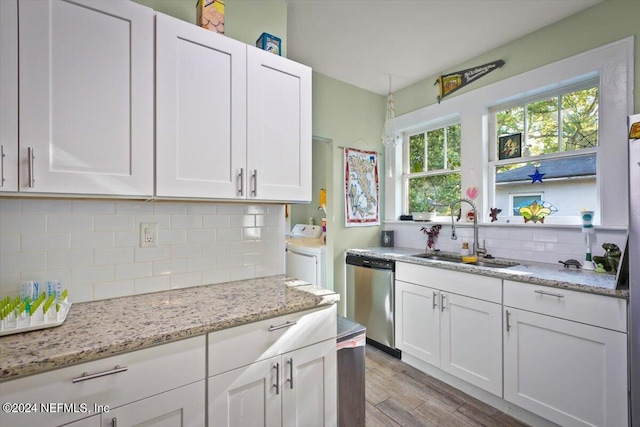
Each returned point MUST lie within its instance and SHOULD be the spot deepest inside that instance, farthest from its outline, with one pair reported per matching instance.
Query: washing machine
(306, 254)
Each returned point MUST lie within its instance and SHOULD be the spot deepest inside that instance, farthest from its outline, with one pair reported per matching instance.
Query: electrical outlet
(148, 234)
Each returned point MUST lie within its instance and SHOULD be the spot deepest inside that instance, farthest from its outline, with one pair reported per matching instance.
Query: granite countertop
(553, 275)
(97, 329)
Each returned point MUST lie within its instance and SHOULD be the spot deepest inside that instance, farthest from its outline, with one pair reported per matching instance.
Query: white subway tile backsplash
(71, 258)
(60, 223)
(134, 208)
(186, 280)
(17, 262)
(10, 206)
(152, 254)
(91, 239)
(174, 266)
(201, 235)
(17, 223)
(93, 207)
(93, 246)
(47, 207)
(113, 256)
(45, 241)
(92, 274)
(136, 270)
(113, 289)
(215, 221)
(179, 222)
(152, 284)
(113, 222)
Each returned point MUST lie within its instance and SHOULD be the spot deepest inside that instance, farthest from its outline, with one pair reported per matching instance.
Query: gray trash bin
(351, 363)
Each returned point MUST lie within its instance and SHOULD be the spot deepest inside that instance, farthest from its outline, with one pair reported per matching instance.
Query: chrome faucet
(477, 250)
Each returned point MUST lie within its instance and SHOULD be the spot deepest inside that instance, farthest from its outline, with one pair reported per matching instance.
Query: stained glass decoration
(536, 176)
(536, 211)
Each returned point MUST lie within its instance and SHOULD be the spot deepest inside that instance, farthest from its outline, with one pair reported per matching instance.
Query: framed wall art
(510, 146)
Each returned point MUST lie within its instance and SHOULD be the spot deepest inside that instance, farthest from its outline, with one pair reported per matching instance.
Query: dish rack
(26, 314)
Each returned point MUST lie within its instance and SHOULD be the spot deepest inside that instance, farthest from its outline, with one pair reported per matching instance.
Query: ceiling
(363, 42)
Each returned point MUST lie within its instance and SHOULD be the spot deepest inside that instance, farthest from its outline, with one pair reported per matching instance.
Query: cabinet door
(200, 113)
(570, 373)
(9, 95)
(247, 396)
(93, 421)
(309, 389)
(418, 321)
(86, 97)
(278, 127)
(471, 341)
(181, 407)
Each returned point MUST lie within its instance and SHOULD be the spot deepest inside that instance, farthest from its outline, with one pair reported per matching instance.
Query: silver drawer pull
(551, 294)
(30, 157)
(508, 324)
(86, 376)
(277, 384)
(284, 325)
(435, 300)
(241, 178)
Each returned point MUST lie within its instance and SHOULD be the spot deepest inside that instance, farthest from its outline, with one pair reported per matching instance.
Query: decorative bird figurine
(493, 213)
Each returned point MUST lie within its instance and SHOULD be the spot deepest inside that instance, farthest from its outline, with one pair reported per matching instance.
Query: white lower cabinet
(293, 381)
(105, 385)
(181, 407)
(572, 373)
(460, 334)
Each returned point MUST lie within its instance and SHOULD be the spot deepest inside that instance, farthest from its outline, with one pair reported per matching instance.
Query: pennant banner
(451, 82)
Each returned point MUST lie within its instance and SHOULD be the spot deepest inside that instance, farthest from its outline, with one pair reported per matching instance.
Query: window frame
(613, 63)
(407, 175)
(581, 83)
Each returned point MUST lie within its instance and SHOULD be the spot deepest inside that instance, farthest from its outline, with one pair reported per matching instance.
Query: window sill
(507, 225)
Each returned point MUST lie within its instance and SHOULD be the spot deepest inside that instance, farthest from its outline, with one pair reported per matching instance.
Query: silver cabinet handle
(284, 325)
(114, 422)
(86, 376)
(551, 294)
(277, 384)
(2, 166)
(507, 318)
(442, 302)
(435, 300)
(290, 380)
(30, 155)
(254, 176)
(241, 176)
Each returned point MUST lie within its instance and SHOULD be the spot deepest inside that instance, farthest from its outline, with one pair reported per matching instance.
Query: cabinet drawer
(471, 285)
(239, 346)
(598, 310)
(149, 371)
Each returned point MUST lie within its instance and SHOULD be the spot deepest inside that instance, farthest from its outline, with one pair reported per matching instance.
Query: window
(555, 162)
(432, 169)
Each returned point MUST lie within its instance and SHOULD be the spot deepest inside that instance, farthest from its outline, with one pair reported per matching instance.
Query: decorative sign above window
(451, 82)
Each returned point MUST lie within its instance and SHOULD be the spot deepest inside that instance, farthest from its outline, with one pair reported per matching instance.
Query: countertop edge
(518, 273)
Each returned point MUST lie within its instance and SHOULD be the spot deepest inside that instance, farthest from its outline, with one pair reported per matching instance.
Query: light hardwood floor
(400, 395)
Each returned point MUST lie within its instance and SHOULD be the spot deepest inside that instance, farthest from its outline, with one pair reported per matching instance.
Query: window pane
(580, 119)
(568, 183)
(444, 189)
(453, 147)
(523, 199)
(435, 149)
(416, 153)
(542, 124)
(510, 121)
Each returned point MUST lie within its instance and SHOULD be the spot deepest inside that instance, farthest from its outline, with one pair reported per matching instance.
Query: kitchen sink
(482, 262)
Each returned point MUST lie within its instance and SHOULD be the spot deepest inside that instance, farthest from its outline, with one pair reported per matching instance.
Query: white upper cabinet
(232, 121)
(9, 95)
(201, 112)
(86, 97)
(278, 127)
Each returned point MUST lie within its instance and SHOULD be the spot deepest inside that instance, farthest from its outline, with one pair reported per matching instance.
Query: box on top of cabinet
(210, 15)
(270, 43)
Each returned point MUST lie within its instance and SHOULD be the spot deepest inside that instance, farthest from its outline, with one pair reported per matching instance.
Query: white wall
(92, 247)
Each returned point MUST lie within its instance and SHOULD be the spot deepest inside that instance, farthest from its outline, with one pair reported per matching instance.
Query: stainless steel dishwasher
(371, 299)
